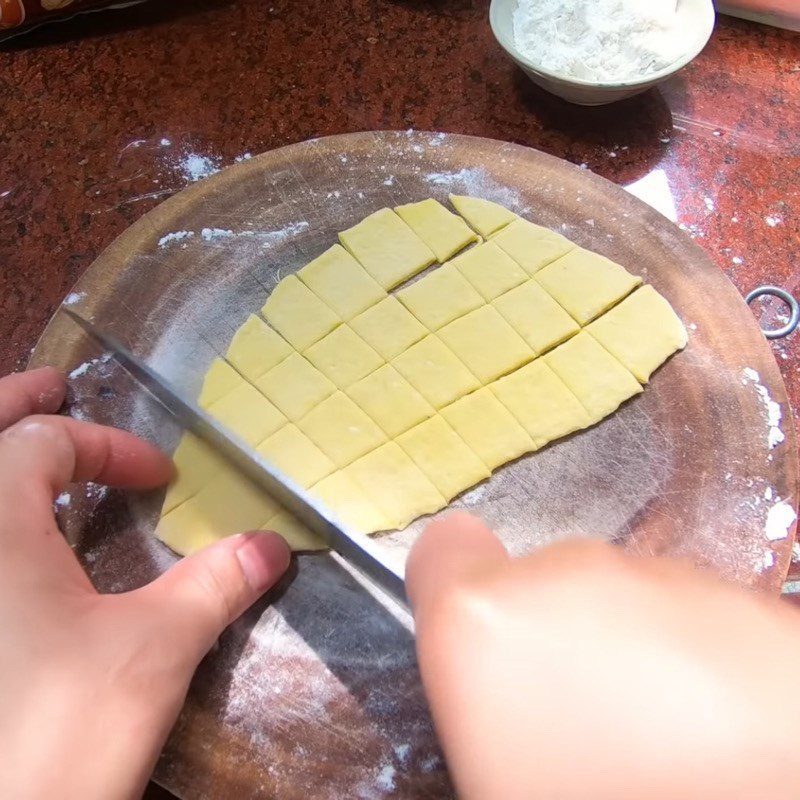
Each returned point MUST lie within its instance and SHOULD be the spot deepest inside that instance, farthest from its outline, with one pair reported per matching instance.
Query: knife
(356, 548)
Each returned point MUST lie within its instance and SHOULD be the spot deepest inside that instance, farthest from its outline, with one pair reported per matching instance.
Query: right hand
(582, 672)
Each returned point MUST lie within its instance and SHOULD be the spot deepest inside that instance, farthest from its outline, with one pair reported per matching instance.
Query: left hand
(92, 684)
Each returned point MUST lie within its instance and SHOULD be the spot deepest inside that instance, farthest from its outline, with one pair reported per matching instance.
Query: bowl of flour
(594, 52)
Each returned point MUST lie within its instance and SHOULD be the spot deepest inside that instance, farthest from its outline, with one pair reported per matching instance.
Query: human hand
(584, 672)
(91, 684)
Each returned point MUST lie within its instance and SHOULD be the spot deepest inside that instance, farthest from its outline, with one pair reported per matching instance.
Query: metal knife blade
(354, 547)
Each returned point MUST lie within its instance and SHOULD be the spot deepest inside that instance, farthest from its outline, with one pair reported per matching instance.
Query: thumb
(449, 553)
(205, 592)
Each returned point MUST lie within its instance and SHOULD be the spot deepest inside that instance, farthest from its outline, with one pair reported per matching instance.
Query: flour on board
(772, 408)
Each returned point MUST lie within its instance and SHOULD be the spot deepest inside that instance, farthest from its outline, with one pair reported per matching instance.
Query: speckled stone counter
(104, 116)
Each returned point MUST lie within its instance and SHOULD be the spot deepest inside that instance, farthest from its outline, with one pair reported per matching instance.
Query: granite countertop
(106, 115)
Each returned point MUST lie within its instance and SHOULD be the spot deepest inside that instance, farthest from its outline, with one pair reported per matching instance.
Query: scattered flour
(82, 369)
(772, 408)
(175, 236)
(474, 181)
(63, 500)
(779, 520)
(73, 297)
(243, 157)
(602, 40)
(208, 234)
(195, 167)
(385, 779)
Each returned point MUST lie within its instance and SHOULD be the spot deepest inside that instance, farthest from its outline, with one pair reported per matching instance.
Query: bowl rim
(708, 18)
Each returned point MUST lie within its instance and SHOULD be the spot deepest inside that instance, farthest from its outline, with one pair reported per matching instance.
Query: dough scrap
(484, 216)
(536, 317)
(594, 376)
(298, 314)
(389, 327)
(490, 270)
(387, 248)
(586, 284)
(255, 348)
(531, 246)
(343, 356)
(641, 332)
(488, 428)
(440, 229)
(341, 282)
(440, 297)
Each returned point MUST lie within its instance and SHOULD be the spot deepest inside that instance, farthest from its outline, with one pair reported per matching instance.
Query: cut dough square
(541, 402)
(297, 533)
(396, 484)
(295, 386)
(536, 317)
(486, 343)
(389, 327)
(442, 455)
(220, 379)
(593, 375)
(390, 400)
(484, 216)
(232, 504)
(255, 348)
(348, 502)
(341, 282)
(489, 428)
(490, 270)
(387, 248)
(586, 284)
(341, 429)
(343, 356)
(185, 529)
(247, 413)
(298, 314)
(432, 369)
(641, 332)
(532, 246)
(196, 464)
(440, 297)
(440, 229)
(294, 454)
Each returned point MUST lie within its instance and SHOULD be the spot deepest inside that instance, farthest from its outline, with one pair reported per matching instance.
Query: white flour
(779, 520)
(603, 40)
(772, 408)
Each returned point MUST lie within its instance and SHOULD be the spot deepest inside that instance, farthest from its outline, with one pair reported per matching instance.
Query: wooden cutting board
(315, 692)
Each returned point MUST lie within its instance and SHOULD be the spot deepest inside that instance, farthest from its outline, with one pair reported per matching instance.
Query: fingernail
(264, 557)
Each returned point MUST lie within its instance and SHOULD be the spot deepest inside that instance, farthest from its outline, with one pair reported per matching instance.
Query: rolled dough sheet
(386, 406)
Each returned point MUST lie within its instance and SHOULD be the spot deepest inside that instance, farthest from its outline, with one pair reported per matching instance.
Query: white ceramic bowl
(698, 23)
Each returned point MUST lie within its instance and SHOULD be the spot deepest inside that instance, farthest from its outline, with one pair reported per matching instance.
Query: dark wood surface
(101, 117)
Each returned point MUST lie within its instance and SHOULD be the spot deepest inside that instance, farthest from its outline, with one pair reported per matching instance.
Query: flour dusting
(73, 297)
(779, 521)
(772, 409)
(82, 369)
(175, 236)
(196, 167)
(475, 182)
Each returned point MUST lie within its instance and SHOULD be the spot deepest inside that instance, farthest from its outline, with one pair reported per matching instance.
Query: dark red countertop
(104, 116)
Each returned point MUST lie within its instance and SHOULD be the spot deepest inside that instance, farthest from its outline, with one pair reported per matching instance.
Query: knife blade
(356, 548)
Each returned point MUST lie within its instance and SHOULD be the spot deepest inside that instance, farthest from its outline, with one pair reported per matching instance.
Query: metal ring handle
(782, 294)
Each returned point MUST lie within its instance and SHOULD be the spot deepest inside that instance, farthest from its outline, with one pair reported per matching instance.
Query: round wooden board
(316, 693)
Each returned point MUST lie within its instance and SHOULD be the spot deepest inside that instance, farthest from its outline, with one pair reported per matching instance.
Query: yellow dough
(295, 386)
(536, 317)
(385, 406)
(395, 484)
(593, 375)
(390, 400)
(489, 428)
(432, 369)
(247, 413)
(298, 314)
(641, 332)
(220, 379)
(541, 402)
(440, 297)
(486, 344)
(293, 453)
(341, 282)
(586, 284)
(440, 229)
(442, 455)
(341, 429)
(490, 271)
(255, 348)
(531, 246)
(389, 327)
(387, 248)
(343, 356)
(484, 216)
(348, 502)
